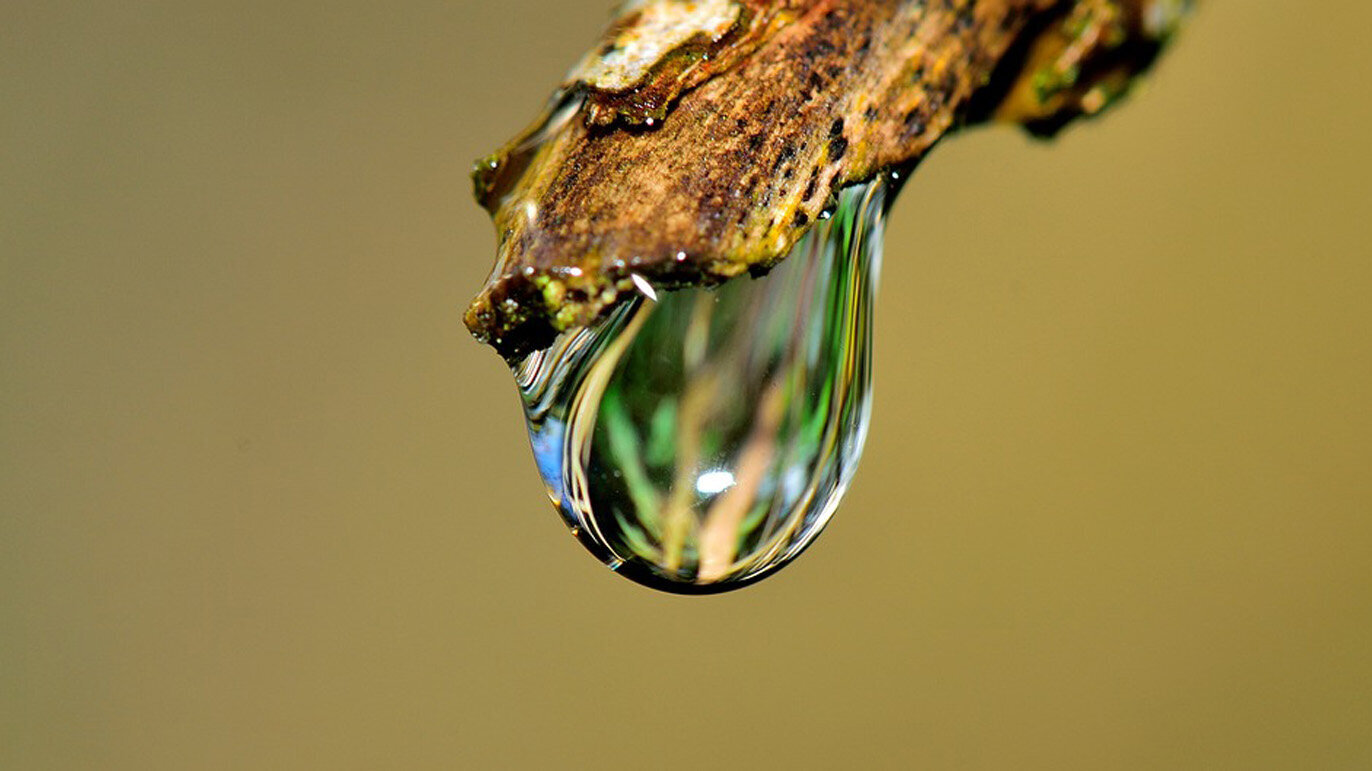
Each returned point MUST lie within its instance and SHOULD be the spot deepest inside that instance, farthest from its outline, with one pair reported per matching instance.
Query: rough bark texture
(702, 139)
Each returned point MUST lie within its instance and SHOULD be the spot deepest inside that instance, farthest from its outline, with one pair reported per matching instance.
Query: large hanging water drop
(698, 440)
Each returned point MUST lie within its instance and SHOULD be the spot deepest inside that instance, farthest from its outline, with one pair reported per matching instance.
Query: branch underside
(741, 120)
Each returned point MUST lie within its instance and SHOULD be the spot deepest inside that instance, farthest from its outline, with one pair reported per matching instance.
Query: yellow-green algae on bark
(702, 138)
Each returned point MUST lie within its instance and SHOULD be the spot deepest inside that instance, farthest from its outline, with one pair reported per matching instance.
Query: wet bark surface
(701, 140)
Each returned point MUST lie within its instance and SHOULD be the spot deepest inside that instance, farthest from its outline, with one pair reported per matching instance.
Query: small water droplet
(498, 175)
(701, 441)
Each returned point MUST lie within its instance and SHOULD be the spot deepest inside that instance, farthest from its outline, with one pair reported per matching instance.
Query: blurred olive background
(265, 504)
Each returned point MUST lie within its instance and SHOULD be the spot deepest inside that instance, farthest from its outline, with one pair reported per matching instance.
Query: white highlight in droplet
(644, 286)
(712, 482)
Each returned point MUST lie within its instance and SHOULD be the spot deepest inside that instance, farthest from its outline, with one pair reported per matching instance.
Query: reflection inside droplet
(700, 441)
(714, 482)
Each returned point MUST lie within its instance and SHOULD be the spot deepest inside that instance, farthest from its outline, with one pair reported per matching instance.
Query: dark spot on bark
(749, 186)
(837, 147)
(837, 144)
(788, 151)
(823, 49)
(914, 123)
(814, 83)
(801, 219)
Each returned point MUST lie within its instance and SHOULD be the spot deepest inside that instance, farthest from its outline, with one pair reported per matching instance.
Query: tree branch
(702, 139)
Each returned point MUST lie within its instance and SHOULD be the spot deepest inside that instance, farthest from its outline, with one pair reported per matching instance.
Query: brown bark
(702, 139)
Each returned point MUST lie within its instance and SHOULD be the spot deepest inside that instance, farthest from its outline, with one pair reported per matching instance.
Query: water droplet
(498, 175)
(701, 441)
